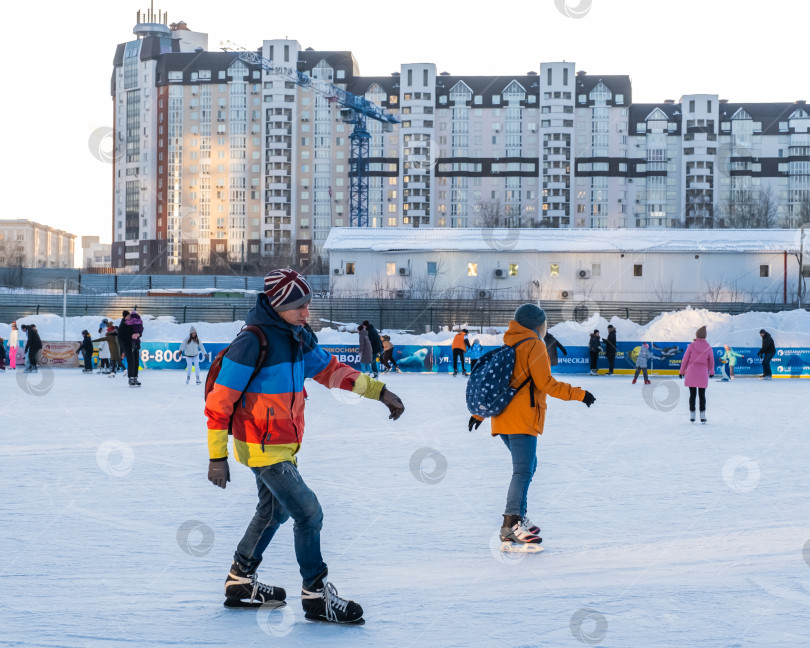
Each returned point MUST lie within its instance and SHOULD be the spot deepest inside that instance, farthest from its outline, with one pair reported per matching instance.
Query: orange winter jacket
(460, 341)
(531, 359)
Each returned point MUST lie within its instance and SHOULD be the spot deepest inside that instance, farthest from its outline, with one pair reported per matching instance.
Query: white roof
(392, 239)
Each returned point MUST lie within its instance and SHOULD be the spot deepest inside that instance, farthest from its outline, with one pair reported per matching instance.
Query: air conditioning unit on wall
(484, 294)
(584, 274)
(404, 272)
(566, 294)
(499, 273)
(337, 271)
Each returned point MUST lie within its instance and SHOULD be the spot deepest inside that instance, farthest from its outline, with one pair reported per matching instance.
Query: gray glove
(218, 472)
(392, 402)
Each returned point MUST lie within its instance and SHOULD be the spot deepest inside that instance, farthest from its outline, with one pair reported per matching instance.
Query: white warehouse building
(611, 265)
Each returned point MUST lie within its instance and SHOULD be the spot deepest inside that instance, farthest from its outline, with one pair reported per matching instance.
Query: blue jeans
(523, 448)
(282, 495)
(365, 367)
(766, 364)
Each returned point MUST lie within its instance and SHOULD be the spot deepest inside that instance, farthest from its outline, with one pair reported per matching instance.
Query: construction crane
(354, 110)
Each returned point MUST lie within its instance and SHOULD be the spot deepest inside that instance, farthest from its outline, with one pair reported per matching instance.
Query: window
(554, 270)
(350, 268)
(513, 269)
(472, 269)
(637, 270)
(596, 269)
(432, 268)
(764, 271)
(390, 269)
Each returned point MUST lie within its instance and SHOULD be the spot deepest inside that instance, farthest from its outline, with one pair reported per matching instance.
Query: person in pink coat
(697, 367)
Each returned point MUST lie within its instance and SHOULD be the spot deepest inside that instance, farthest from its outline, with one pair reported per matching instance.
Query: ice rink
(657, 532)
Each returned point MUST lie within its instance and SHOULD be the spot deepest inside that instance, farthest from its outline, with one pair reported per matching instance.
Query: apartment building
(219, 162)
(26, 244)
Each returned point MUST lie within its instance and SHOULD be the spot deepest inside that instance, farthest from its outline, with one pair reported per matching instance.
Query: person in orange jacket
(520, 423)
(460, 346)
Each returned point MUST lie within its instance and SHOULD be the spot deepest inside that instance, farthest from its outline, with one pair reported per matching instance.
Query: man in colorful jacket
(268, 426)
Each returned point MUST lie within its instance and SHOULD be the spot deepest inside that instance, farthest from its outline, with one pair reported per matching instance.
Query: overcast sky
(59, 64)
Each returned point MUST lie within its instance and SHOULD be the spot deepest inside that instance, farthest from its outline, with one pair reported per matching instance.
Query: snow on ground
(789, 329)
(658, 533)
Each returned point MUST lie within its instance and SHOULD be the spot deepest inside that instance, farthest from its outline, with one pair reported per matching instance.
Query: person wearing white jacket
(192, 347)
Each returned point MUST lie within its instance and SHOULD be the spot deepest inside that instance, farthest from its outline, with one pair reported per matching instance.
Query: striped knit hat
(286, 290)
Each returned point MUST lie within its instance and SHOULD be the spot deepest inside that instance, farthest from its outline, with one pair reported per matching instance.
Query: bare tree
(749, 208)
(490, 213)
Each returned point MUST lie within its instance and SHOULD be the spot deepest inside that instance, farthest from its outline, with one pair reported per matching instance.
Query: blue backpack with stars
(488, 389)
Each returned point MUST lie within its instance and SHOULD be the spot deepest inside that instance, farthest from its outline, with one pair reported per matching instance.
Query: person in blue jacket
(475, 352)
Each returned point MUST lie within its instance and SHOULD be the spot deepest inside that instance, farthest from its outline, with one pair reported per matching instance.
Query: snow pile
(788, 328)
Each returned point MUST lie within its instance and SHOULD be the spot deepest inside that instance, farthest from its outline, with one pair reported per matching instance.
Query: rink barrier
(787, 363)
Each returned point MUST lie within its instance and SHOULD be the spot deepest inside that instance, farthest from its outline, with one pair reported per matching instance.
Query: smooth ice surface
(657, 532)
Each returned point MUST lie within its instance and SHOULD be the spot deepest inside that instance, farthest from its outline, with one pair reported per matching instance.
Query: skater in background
(129, 341)
(365, 350)
(13, 343)
(729, 360)
(475, 352)
(552, 344)
(2, 354)
(594, 347)
(32, 347)
(376, 346)
(697, 367)
(388, 362)
(460, 346)
(104, 356)
(767, 352)
(610, 348)
(86, 349)
(110, 343)
(642, 360)
(269, 444)
(192, 348)
(520, 423)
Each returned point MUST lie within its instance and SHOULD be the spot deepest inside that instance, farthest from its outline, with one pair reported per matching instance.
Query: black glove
(589, 399)
(392, 402)
(218, 472)
(759, 353)
(474, 423)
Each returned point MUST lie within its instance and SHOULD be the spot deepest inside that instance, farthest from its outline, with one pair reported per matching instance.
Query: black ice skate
(244, 590)
(322, 603)
(516, 537)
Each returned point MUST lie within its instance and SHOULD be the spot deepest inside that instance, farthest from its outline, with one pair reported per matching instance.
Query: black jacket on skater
(610, 343)
(552, 344)
(767, 343)
(85, 346)
(374, 338)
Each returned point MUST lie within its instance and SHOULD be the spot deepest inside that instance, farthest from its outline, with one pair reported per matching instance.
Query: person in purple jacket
(697, 367)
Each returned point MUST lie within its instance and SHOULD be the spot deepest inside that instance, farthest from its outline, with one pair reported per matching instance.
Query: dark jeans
(611, 362)
(458, 353)
(644, 369)
(88, 362)
(131, 355)
(32, 358)
(594, 359)
(282, 495)
(766, 364)
(701, 393)
(523, 448)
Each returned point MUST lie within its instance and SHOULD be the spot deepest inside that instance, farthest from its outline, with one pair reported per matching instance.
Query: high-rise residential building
(220, 162)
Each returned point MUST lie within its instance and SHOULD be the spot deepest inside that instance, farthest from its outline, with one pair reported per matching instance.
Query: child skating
(522, 420)
(729, 361)
(697, 367)
(644, 357)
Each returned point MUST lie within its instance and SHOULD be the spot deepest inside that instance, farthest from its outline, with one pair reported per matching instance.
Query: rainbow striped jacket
(268, 423)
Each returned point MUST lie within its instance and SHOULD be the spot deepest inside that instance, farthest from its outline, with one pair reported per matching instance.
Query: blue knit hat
(530, 316)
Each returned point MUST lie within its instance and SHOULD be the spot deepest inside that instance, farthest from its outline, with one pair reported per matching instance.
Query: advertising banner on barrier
(59, 354)
(791, 362)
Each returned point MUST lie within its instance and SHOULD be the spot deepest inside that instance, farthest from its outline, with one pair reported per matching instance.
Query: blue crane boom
(355, 110)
